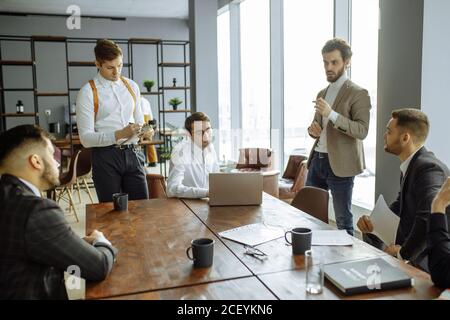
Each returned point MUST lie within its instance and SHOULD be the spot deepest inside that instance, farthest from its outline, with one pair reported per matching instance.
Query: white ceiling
(108, 8)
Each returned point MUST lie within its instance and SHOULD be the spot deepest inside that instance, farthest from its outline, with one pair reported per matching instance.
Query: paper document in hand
(384, 221)
(253, 234)
(331, 238)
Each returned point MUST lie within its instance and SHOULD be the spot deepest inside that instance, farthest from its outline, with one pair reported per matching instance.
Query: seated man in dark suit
(422, 174)
(36, 243)
(439, 238)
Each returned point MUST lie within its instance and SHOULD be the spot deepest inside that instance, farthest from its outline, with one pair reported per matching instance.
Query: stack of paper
(384, 221)
(331, 238)
(253, 234)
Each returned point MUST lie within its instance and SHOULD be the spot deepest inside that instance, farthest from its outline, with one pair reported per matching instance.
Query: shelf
(51, 94)
(150, 93)
(16, 62)
(145, 41)
(174, 64)
(88, 64)
(174, 88)
(17, 89)
(81, 63)
(48, 38)
(25, 114)
(151, 143)
(175, 111)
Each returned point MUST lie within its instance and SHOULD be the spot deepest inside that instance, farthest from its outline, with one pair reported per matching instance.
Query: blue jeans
(321, 175)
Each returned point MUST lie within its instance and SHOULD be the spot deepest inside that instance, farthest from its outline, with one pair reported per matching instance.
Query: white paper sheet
(253, 234)
(384, 221)
(331, 238)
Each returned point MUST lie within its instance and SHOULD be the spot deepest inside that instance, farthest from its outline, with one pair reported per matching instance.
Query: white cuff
(333, 116)
(101, 238)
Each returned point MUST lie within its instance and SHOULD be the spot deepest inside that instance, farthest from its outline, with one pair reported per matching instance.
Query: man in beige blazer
(340, 124)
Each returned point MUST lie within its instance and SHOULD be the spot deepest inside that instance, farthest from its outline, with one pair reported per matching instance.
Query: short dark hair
(20, 137)
(196, 116)
(338, 44)
(413, 120)
(106, 50)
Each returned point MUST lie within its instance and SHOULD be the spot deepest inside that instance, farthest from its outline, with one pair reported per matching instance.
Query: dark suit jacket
(37, 245)
(423, 179)
(439, 250)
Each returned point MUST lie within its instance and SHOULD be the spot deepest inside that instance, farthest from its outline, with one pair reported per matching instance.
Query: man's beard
(50, 179)
(392, 148)
(339, 74)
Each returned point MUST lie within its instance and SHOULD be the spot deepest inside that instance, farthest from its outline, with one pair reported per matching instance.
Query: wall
(51, 71)
(399, 79)
(436, 75)
(204, 77)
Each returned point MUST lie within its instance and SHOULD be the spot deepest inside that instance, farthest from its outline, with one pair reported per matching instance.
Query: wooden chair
(84, 166)
(313, 201)
(156, 186)
(67, 180)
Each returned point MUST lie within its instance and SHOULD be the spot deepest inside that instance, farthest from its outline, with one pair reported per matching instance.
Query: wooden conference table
(152, 238)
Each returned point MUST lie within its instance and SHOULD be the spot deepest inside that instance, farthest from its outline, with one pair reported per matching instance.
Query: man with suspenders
(109, 118)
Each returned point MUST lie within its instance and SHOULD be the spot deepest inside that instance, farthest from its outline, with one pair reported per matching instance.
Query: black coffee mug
(301, 240)
(202, 252)
(120, 201)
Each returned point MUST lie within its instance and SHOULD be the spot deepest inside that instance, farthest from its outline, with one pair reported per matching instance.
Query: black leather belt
(127, 146)
(321, 155)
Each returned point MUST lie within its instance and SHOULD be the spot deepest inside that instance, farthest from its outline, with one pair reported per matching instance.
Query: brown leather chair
(156, 186)
(294, 177)
(313, 201)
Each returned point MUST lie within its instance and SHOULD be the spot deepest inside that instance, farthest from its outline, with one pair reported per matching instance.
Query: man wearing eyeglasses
(192, 160)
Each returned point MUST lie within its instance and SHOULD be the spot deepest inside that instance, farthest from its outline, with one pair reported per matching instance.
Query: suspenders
(95, 94)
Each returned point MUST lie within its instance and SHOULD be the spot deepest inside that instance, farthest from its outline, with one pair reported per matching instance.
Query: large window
(255, 64)
(364, 73)
(223, 49)
(307, 26)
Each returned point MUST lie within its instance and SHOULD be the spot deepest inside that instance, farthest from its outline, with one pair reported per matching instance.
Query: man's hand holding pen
(322, 107)
(128, 132)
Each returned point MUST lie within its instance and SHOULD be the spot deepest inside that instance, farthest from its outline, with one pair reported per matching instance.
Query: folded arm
(51, 241)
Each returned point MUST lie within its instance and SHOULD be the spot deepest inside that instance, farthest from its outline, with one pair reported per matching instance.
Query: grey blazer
(37, 245)
(344, 138)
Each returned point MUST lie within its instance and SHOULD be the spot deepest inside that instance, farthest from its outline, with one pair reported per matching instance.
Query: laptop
(235, 189)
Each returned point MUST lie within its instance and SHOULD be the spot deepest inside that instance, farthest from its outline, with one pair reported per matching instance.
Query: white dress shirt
(330, 97)
(405, 164)
(146, 107)
(115, 111)
(189, 171)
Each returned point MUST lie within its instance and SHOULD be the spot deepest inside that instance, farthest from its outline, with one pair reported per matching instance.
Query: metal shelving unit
(161, 92)
(163, 88)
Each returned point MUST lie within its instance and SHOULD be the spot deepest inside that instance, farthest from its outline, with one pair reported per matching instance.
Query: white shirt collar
(339, 82)
(32, 187)
(405, 164)
(105, 82)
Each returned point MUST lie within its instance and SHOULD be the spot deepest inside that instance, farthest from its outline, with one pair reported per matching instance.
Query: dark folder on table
(365, 276)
